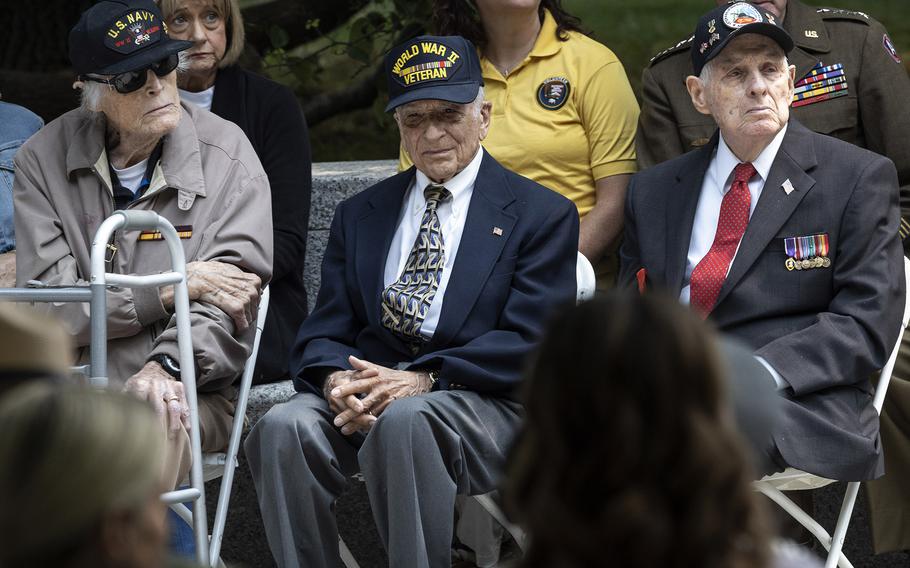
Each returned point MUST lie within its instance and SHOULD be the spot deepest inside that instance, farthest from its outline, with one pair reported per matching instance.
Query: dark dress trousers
(825, 330)
(270, 116)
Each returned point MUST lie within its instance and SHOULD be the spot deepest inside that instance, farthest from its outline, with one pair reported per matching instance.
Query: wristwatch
(167, 363)
(434, 377)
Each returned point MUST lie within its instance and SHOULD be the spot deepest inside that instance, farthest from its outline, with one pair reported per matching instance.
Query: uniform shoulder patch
(841, 14)
(684, 44)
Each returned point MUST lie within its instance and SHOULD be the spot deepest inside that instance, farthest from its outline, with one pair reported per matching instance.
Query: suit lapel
(795, 156)
(680, 214)
(375, 230)
(478, 250)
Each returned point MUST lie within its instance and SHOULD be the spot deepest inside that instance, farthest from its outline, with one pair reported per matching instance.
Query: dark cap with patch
(719, 26)
(433, 67)
(116, 36)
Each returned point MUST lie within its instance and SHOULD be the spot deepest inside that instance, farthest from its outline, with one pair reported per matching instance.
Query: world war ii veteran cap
(719, 26)
(116, 36)
(433, 67)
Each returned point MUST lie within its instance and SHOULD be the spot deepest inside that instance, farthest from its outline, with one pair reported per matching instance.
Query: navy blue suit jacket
(497, 300)
(825, 330)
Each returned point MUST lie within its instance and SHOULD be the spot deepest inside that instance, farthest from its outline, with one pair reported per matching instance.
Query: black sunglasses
(134, 80)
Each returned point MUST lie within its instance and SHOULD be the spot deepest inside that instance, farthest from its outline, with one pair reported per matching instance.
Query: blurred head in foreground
(628, 448)
(80, 473)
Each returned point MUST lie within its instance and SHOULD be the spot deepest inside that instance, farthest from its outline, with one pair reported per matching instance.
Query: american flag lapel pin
(788, 186)
(497, 231)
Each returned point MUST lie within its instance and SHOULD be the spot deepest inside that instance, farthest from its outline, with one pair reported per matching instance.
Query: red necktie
(709, 274)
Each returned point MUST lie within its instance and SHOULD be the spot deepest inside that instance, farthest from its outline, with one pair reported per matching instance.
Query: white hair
(92, 92)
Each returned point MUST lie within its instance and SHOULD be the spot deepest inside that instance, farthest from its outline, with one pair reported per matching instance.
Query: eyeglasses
(134, 80)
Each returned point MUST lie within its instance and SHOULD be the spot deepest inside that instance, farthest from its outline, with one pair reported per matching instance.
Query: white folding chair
(795, 480)
(223, 464)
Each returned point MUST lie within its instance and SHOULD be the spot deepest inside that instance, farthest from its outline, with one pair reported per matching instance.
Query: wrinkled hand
(362, 420)
(152, 383)
(381, 387)
(222, 285)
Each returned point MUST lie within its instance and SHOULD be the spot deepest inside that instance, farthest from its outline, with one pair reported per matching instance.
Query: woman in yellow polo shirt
(564, 113)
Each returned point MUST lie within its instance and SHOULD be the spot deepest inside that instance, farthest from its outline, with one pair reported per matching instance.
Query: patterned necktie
(709, 274)
(405, 302)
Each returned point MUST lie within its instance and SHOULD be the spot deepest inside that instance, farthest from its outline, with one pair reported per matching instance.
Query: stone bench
(244, 541)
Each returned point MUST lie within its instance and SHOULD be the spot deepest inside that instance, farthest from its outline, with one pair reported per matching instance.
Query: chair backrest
(585, 279)
(885, 377)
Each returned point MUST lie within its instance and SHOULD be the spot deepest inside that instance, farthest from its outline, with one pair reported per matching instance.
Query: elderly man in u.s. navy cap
(784, 238)
(435, 286)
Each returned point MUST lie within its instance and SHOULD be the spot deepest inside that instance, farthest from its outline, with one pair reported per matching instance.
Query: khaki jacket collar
(180, 167)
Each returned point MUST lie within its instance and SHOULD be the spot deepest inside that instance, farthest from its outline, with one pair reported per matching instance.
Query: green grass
(634, 29)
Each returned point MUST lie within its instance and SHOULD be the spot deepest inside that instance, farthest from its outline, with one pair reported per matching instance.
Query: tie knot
(434, 194)
(743, 172)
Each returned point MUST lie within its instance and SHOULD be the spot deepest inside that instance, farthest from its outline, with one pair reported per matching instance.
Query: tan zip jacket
(209, 181)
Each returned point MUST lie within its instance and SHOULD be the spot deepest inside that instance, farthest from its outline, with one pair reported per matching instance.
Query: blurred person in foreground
(33, 347)
(270, 116)
(131, 145)
(563, 115)
(675, 489)
(80, 480)
(783, 238)
(436, 284)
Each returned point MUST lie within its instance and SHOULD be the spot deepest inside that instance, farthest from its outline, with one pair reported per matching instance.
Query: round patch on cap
(741, 14)
(553, 93)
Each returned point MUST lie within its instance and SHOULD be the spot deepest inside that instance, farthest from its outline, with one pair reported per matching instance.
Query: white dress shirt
(718, 181)
(451, 214)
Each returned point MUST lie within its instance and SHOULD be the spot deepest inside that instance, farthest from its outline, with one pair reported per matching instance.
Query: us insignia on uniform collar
(553, 93)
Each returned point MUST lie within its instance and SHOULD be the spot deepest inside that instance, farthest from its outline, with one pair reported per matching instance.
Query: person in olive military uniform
(851, 84)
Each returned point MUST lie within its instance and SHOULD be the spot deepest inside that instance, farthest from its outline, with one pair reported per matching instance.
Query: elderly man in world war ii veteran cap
(133, 146)
(435, 286)
(783, 238)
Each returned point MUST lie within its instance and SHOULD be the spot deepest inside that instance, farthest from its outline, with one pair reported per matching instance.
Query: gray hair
(92, 92)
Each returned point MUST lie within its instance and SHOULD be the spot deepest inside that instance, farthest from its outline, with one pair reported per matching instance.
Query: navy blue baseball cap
(116, 36)
(433, 67)
(719, 26)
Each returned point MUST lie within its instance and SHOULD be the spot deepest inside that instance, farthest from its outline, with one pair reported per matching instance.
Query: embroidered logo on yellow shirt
(553, 93)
